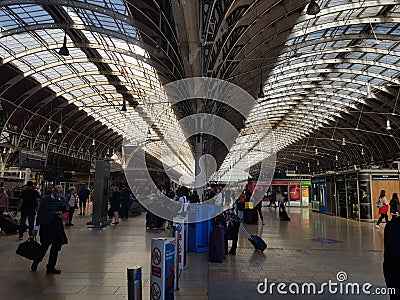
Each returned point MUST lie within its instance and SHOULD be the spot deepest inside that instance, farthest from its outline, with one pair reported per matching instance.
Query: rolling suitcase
(216, 249)
(250, 216)
(283, 216)
(153, 221)
(8, 224)
(257, 242)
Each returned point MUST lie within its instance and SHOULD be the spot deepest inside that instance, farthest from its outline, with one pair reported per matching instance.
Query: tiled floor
(310, 248)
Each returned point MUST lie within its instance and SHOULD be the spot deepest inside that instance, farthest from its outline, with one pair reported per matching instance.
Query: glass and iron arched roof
(330, 81)
(332, 90)
(107, 66)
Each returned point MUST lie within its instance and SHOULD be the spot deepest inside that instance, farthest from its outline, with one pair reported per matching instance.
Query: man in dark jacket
(83, 195)
(391, 262)
(126, 202)
(27, 205)
(51, 229)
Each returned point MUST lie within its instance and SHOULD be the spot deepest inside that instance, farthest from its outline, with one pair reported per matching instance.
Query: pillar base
(103, 224)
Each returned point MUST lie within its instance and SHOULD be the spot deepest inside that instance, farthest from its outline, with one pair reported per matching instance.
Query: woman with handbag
(383, 208)
(71, 198)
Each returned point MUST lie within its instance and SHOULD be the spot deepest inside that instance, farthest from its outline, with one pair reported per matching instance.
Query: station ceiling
(330, 81)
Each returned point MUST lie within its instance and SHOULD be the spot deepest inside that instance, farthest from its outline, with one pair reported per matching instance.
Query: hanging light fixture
(49, 131)
(362, 151)
(261, 92)
(336, 157)
(317, 162)
(123, 108)
(61, 120)
(388, 127)
(64, 50)
(316, 150)
(344, 142)
(313, 8)
(94, 129)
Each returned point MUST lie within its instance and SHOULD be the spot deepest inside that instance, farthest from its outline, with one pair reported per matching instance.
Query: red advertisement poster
(294, 192)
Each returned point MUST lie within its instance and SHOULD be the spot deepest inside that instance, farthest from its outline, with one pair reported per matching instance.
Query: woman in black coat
(115, 203)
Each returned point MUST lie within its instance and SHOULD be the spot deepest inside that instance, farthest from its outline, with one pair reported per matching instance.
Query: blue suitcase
(257, 242)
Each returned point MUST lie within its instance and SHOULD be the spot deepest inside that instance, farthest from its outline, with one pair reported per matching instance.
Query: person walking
(394, 205)
(126, 202)
(71, 198)
(184, 199)
(3, 201)
(27, 205)
(83, 195)
(383, 206)
(258, 207)
(194, 198)
(232, 226)
(115, 203)
(391, 262)
(218, 197)
(51, 229)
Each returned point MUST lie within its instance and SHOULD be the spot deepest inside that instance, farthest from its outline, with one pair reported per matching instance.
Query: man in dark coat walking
(51, 228)
(391, 262)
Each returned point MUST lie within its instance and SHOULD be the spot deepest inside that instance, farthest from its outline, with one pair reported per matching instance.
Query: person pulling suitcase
(283, 216)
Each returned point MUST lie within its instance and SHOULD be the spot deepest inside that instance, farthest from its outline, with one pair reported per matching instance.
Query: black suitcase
(8, 224)
(216, 246)
(153, 221)
(257, 242)
(283, 216)
(250, 216)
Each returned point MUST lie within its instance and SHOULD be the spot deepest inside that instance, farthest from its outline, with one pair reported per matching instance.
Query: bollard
(135, 283)
(176, 267)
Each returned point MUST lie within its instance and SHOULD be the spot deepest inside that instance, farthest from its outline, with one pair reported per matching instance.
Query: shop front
(353, 194)
(319, 194)
(389, 182)
(297, 191)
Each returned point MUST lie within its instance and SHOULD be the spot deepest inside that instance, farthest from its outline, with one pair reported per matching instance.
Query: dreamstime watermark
(334, 288)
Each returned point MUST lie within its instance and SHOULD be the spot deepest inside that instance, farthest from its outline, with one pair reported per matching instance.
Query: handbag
(29, 249)
(65, 217)
(383, 210)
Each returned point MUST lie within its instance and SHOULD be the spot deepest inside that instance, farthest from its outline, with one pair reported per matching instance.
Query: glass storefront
(364, 193)
(341, 195)
(352, 196)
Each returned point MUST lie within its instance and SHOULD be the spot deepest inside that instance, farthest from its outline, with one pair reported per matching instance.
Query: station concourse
(94, 262)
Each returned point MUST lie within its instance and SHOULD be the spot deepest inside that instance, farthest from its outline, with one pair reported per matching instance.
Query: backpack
(379, 203)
